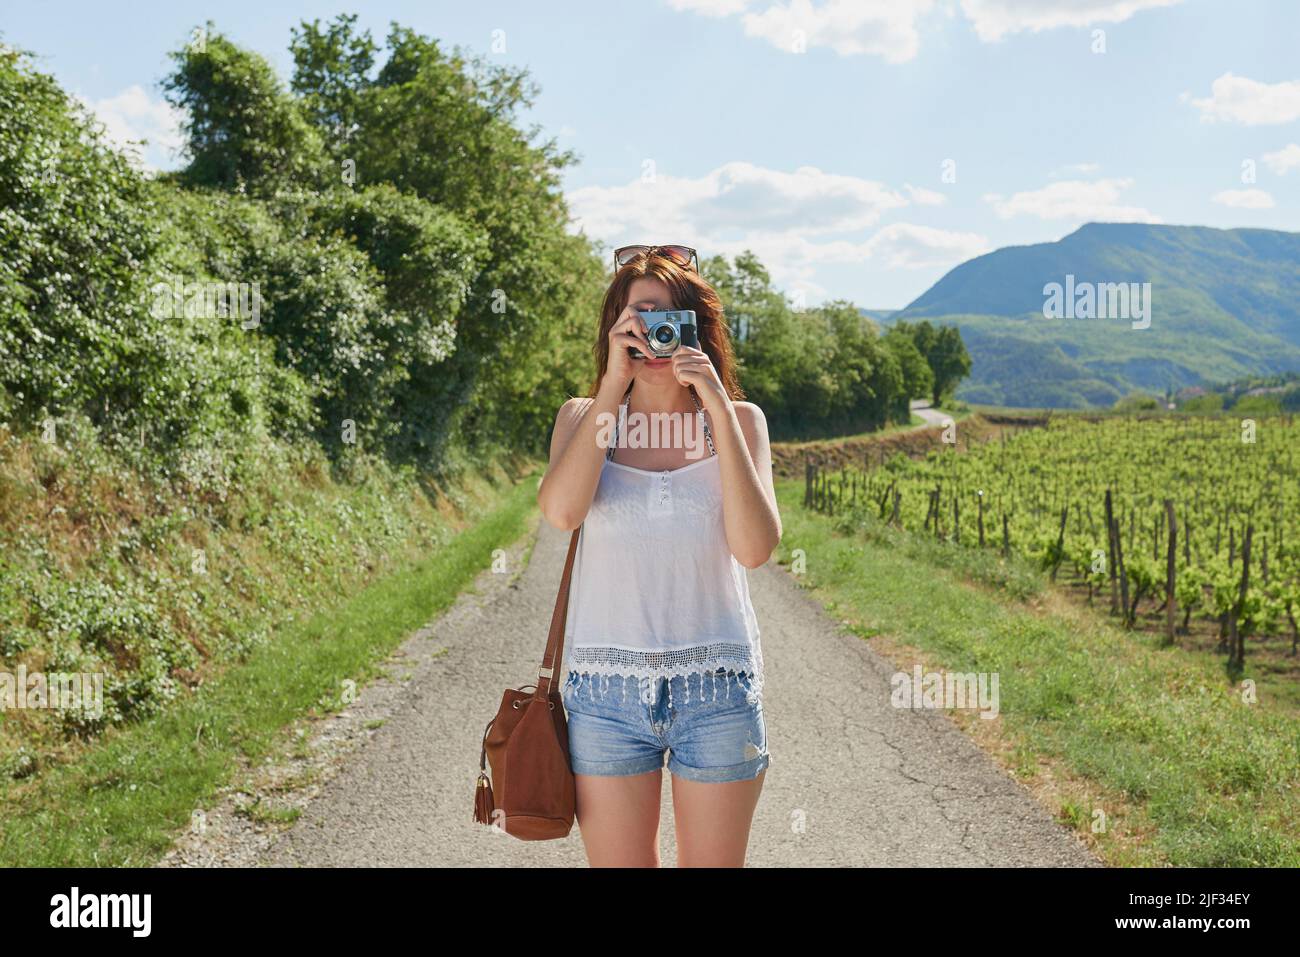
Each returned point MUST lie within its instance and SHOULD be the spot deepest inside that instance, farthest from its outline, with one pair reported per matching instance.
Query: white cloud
(134, 115)
(890, 28)
(925, 197)
(1096, 200)
(735, 197)
(794, 222)
(884, 28)
(909, 246)
(1239, 99)
(1284, 160)
(795, 261)
(1244, 199)
(994, 19)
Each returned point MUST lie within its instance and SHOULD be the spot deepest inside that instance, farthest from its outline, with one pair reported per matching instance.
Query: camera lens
(664, 334)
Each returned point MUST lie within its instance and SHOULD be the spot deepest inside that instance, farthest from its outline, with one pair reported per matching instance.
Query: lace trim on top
(707, 661)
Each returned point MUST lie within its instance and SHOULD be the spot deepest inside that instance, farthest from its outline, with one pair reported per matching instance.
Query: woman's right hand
(629, 330)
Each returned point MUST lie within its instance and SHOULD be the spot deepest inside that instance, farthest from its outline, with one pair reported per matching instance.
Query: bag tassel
(483, 802)
(483, 806)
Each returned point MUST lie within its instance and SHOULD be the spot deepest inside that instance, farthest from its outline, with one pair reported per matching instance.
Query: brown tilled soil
(788, 458)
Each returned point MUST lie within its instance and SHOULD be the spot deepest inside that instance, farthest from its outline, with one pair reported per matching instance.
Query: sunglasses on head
(681, 255)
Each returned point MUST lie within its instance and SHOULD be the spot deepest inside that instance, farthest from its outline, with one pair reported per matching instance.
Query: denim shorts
(711, 725)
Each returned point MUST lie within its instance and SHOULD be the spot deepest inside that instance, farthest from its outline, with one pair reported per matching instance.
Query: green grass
(122, 801)
(1186, 772)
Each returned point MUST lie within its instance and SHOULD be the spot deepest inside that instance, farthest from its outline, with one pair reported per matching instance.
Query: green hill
(1224, 304)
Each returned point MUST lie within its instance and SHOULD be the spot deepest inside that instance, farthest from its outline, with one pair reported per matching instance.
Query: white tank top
(656, 591)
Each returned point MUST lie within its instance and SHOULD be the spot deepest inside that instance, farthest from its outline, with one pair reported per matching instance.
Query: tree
(441, 126)
(949, 361)
(918, 377)
(944, 352)
(331, 75)
(244, 132)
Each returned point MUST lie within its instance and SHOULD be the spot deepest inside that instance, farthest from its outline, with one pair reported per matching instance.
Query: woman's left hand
(692, 366)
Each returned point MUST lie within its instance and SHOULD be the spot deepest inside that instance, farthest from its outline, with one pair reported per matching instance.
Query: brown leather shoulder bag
(530, 794)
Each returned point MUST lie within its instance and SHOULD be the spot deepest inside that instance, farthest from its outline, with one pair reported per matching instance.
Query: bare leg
(713, 820)
(618, 818)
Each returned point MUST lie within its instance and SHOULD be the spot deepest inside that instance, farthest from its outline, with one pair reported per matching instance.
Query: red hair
(688, 290)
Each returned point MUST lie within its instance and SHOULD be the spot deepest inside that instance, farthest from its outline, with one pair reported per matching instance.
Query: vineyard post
(807, 482)
(1240, 633)
(1110, 554)
(1170, 570)
(980, 495)
(1060, 541)
(1295, 630)
(1122, 574)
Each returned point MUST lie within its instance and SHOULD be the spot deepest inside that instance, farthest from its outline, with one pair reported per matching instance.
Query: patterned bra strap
(699, 410)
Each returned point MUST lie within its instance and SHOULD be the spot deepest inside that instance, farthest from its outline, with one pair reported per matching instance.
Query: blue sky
(860, 147)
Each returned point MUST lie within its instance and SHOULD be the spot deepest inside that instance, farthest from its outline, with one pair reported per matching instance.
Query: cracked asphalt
(853, 781)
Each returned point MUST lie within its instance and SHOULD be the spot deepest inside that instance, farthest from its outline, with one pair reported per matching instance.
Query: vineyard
(1177, 522)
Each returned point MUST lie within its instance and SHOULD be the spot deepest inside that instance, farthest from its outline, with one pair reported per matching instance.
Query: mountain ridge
(1225, 303)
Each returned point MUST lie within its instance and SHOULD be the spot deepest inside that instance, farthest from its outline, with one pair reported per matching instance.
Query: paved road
(932, 416)
(871, 785)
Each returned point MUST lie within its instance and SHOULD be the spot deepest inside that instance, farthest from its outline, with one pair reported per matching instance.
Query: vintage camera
(666, 331)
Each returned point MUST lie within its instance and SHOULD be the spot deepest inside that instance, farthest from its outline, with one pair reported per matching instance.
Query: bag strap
(554, 656)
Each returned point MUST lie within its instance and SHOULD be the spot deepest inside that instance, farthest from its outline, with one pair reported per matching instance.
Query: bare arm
(749, 512)
(569, 485)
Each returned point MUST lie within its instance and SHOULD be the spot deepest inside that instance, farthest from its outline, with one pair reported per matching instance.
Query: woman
(661, 644)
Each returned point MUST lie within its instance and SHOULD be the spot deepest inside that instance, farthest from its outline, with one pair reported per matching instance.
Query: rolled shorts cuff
(746, 771)
(617, 769)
